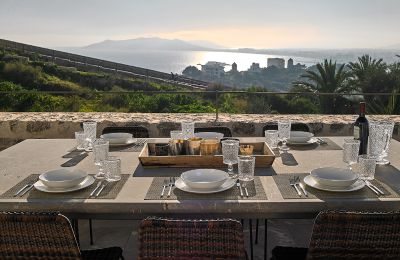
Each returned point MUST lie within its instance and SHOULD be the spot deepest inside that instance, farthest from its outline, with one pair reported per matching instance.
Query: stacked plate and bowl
(63, 180)
(334, 179)
(301, 138)
(204, 181)
(119, 139)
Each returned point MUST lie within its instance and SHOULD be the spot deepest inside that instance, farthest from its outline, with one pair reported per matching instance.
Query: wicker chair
(136, 131)
(294, 127)
(349, 236)
(191, 239)
(219, 129)
(44, 236)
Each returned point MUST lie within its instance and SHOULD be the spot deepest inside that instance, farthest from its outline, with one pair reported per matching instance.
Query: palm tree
(363, 69)
(329, 78)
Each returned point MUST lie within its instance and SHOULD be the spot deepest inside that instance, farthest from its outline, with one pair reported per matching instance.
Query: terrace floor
(125, 234)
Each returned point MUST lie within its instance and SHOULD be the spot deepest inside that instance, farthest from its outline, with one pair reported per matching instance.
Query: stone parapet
(23, 125)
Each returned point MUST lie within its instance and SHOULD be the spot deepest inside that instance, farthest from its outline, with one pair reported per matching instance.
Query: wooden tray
(263, 153)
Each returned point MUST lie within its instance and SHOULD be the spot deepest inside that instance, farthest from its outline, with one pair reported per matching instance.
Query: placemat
(288, 192)
(255, 189)
(110, 191)
(328, 145)
(135, 147)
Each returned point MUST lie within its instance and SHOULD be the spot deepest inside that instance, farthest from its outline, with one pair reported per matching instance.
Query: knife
(373, 186)
(303, 189)
(23, 188)
(26, 190)
(240, 187)
(101, 189)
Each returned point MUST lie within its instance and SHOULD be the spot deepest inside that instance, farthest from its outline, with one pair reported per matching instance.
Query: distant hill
(153, 43)
(393, 47)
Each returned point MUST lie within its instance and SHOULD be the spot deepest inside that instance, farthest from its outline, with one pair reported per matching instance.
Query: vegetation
(24, 77)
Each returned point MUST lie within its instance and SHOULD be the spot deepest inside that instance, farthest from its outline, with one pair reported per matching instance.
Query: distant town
(276, 76)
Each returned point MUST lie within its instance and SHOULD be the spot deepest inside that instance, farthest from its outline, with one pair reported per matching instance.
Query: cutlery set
(168, 184)
(372, 187)
(242, 187)
(99, 188)
(24, 190)
(297, 185)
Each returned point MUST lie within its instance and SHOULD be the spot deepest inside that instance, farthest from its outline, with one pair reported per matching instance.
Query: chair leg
(251, 238)
(91, 232)
(265, 238)
(256, 240)
(76, 229)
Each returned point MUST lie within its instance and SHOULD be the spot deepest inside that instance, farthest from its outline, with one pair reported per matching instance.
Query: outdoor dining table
(35, 156)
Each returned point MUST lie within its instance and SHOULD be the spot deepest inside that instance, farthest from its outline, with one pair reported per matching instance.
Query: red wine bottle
(361, 129)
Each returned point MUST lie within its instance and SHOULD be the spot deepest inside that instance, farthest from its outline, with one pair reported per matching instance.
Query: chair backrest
(191, 239)
(136, 131)
(219, 129)
(355, 236)
(294, 127)
(37, 236)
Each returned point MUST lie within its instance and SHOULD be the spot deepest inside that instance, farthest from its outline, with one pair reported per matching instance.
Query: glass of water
(112, 166)
(367, 167)
(284, 133)
(272, 138)
(351, 148)
(100, 153)
(246, 165)
(230, 153)
(90, 130)
(380, 134)
(188, 130)
(176, 135)
(80, 140)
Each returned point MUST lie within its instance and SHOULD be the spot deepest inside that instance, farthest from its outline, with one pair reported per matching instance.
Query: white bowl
(209, 135)
(334, 177)
(300, 137)
(117, 138)
(62, 178)
(204, 178)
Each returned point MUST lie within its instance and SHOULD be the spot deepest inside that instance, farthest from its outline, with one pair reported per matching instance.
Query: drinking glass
(351, 148)
(367, 165)
(176, 135)
(112, 166)
(246, 166)
(284, 133)
(272, 138)
(230, 152)
(80, 140)
(188, 130)
(380, 134)
(90, 129)
(100, 152)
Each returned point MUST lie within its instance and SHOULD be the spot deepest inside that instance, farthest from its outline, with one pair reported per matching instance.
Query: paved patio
(124, 233)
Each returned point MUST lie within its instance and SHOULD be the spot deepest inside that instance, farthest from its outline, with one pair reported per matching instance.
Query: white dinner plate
(311, 141)
(309, 180)
(180, 184)
(127, 142)
(89, 180)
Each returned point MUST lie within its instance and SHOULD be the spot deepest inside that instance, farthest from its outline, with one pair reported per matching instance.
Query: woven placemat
(135, 147)
(110, 191)
(288, 192)
(255, 189)
(328, 145)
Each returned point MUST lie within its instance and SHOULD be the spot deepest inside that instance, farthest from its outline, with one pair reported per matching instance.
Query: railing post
(216, 105)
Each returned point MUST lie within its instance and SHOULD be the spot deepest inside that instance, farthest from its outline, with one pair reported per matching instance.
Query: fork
(165, 185)
(171, 184)
(292, 182)
(298, 182)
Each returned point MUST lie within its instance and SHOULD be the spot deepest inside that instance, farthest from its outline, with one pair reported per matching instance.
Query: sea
(176, 61)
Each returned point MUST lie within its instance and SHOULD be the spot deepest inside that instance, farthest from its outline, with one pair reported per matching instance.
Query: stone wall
(16, 126)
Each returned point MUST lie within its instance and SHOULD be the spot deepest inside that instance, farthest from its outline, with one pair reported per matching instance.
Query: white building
(213, 69)
(255, 67)
(277, 62)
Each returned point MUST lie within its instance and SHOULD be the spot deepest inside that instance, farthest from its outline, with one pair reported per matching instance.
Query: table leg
(91, 232)
(265, 238)
(256, 240)
(251, 238)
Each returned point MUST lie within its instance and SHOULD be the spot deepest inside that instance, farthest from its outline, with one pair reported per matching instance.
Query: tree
(363, 71)
(329, 78)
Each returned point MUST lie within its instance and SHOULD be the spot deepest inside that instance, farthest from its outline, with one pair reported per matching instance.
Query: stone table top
(35, 156)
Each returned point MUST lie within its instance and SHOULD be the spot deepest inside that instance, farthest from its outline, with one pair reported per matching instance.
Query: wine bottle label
(356, 132)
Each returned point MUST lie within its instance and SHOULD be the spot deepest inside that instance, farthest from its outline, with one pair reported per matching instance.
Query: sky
(230, 23)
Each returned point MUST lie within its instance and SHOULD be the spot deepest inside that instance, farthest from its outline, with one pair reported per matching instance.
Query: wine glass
(100, 152)
(187, 129)
(284, 133)
(230, 153)
(351, 148)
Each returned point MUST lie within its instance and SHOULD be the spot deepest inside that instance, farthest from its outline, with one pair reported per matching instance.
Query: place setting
(64, 183)
(358, 180)
(211, 183)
